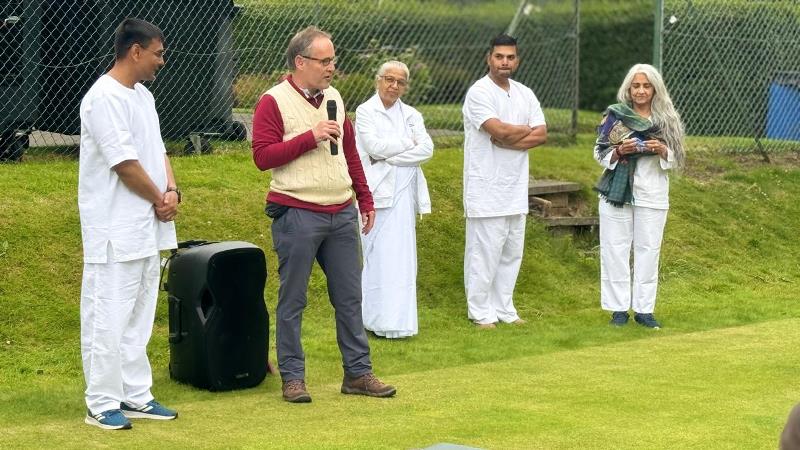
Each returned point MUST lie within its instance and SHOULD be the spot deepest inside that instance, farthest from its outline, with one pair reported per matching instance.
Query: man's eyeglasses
(159, 54)
(325, 61)
(392, 80)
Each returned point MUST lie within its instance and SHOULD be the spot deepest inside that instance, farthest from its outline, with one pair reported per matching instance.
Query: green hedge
(437, 38)
(721, 58)
(452, 37)
(615, 34)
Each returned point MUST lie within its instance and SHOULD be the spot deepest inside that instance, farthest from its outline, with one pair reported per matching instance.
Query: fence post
(512, 27)
(658, 31)
(577, 77)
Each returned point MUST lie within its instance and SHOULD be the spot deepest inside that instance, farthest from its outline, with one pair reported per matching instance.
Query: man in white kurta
(127, 200)
(502, 120)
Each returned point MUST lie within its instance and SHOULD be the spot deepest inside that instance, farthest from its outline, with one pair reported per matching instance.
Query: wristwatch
(175, 190)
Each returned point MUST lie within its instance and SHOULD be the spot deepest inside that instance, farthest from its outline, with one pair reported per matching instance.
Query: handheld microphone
(331, 105)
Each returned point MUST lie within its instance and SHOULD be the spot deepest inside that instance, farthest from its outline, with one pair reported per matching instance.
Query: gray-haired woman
(392, 141)
(639, 140)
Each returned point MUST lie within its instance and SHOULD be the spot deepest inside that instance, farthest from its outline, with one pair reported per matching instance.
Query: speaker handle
(173, 253)
(175, 335)
(194, 243)
(207, 305)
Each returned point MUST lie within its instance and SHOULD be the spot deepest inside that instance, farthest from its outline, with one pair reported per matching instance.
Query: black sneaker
(619, 318)
(646, 320)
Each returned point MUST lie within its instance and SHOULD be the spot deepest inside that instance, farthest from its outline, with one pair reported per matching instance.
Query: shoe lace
(295, 384)
(371, 380)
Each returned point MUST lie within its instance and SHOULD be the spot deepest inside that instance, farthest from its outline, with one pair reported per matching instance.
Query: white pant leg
(137, 376)
(484, 246)
(108, 297)
(648, 230)
(502, 291)
(616, 236)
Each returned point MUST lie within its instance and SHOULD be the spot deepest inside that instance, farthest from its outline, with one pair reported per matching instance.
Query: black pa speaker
(218, 322)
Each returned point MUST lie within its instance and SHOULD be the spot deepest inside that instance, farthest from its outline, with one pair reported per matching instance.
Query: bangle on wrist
(176, 191)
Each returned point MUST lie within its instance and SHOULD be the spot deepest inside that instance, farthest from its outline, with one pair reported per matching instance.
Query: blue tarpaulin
(783, 109)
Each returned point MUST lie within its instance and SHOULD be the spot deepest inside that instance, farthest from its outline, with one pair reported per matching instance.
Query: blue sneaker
(113, 419)
(151, 410)
(619, 318)
(647, 320)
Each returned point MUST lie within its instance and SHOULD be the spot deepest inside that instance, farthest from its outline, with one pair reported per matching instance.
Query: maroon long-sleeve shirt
(270, 151)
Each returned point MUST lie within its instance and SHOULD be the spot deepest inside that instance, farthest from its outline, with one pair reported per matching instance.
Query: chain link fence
(222, 55)
(733, 68)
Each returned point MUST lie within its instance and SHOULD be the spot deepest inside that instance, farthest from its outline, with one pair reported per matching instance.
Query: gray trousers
(299, 237)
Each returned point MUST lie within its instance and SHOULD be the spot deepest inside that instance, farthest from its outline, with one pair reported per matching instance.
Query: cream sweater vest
(316, 176)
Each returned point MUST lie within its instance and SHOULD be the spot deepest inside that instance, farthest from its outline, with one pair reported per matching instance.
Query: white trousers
(619, 229)
(118, 305)
(492, 258)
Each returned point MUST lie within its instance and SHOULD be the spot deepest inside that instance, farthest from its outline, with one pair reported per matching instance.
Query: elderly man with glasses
(310, 202)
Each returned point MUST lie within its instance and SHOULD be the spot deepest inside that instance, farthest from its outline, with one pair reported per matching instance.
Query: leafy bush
(355, 88)
(247, 88)
(375, 55)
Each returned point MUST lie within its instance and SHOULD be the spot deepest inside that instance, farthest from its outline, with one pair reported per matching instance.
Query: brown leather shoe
(367, 384)
(294, 391)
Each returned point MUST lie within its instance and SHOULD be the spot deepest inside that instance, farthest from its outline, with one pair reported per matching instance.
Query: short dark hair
(134, 31)
(502, 39)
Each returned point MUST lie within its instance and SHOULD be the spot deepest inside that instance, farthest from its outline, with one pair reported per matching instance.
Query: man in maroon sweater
(310, 201)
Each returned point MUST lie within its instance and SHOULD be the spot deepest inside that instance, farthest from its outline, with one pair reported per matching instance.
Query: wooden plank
(558, 200)
(570, 221)
(538, 187)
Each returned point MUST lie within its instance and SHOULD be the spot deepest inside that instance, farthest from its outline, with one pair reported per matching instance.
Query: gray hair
(663, 113)
(392, 65)
(301, 42)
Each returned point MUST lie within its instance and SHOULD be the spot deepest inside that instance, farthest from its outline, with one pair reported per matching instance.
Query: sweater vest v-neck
(316, 176)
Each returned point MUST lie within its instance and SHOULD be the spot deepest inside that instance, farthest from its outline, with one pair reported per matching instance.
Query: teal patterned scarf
(616, 186)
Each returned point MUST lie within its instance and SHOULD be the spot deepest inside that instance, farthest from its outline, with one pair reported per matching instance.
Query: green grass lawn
(722, 373)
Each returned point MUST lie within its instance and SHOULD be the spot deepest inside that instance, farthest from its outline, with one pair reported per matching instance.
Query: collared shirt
(270, 151)
(315, 99)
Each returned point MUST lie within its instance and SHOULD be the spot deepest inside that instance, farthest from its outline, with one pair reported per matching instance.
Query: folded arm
(535, 137)
(372, 143)
(422, 150)
(505, 133)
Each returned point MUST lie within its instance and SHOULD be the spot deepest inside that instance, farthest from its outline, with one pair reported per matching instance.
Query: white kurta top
(120, 124)
(650, 179)
(495, 178)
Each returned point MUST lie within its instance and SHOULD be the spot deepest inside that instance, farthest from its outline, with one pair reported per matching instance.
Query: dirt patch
(708, 166)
